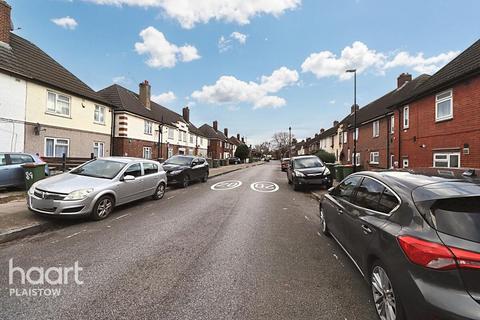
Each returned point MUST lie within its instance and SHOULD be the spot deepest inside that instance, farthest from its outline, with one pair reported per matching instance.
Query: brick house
(440, 122)
(376, 127)
(44, 108)
(141, 126)
(234, 143)
(217, 141)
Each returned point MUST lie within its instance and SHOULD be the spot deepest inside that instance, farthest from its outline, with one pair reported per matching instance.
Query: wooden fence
(62, 164)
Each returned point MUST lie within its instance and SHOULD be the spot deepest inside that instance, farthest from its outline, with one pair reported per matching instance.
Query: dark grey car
(415, 237)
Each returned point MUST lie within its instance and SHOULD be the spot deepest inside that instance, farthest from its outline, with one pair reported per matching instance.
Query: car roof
(126, 159)
(303, 157)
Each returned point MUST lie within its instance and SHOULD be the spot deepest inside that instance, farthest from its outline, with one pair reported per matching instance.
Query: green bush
(326, 156)
(242, 152)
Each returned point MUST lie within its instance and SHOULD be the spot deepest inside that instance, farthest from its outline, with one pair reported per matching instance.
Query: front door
(132, 190)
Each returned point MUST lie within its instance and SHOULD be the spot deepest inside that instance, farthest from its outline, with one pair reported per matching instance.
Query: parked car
(181, 170)
(308, 170)
(97, 186)
(234, 160)
(284, 163)
(414, 236)
(11, 171)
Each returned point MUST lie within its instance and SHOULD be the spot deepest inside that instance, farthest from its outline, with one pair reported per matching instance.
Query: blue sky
(279, 63)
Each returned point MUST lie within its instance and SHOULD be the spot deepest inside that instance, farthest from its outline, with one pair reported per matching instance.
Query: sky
(255, 66)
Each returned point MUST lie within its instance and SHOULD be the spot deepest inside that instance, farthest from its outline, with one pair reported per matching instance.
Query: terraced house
(218, 145)
(145, 129)
(44, 108)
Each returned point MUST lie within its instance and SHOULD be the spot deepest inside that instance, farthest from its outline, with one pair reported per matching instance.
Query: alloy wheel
(323, 222)
(104, 208)
(160, 191)
(383, 294)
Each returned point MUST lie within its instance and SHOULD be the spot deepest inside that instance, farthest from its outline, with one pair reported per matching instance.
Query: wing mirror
(128, 178)
(194, 163)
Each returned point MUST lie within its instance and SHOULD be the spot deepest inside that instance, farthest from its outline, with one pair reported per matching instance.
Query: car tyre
(103, 207)
(205, 177)
(386, 301)
(323, 223)
(159, 192)
(296, 186)
(185, 182)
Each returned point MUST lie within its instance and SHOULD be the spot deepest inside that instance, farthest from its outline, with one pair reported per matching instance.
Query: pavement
(17, 221)
(199, 253)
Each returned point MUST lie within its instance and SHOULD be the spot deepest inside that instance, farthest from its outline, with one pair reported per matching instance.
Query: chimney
(225, 132)
(243, 139)
(5, 22)
(186, 114)
(335, 123)
(215, 125)
(352, 108)
(403, 78)
(322, 130)
(316, 135)
(238, 136)
(145, 94)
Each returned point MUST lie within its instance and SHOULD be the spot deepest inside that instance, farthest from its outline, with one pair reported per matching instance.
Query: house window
(171, 133)
(392, 124)
(98, 149)
(356, 134)
(392, 161)
(376, 128)
(446, 160)
(406, 117)
(349, 155)
(147, 127)
(191, 138)
(444, 106)
(405, 163)
(147, 152)
(170, 152)
(374, 157)
(345, 137)
(58, 104)
(184, 137)
(357, 157)
(56, 147)
(99, 115)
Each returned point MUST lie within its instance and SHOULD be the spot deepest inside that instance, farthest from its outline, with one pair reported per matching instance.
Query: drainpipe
(112, 135)
(389, 134)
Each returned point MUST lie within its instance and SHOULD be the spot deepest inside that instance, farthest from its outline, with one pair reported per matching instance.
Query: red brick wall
(215, 149)
(424, 135)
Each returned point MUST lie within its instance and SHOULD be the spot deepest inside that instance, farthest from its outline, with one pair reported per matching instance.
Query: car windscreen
(179, 161)
(459, 217)
(105, 169)
(303, 163)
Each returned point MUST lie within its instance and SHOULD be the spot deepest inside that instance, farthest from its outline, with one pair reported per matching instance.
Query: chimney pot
(215, 125)
(145, 94)
(238, 136)
(225, 131)
(322, 130)
(335, 123)
(352, 108)
(186, 114)
(403, 78)
(243, 139)
(6, 25)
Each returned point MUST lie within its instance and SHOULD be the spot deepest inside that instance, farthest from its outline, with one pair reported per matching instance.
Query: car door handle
(340, 211)
(366, 229)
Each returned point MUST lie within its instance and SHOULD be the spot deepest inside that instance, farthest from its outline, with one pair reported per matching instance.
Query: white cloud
(332, 102)
(225, 43)
(161, 53)
(419, 63)
(191, 12)
(164, 98)
(359, 56)
(66, 22)
(231, 91)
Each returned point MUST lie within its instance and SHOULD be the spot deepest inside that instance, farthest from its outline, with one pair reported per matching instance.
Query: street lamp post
(289, 142)
(354, 71)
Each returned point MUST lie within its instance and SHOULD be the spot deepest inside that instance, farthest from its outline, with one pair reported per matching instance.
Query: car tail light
(437, 256)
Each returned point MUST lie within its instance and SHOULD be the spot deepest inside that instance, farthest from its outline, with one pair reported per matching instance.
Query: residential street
(196, 254)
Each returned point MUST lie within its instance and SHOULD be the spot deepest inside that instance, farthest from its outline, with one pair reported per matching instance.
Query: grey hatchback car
(11, 171)
(97, 186)
(414, 236)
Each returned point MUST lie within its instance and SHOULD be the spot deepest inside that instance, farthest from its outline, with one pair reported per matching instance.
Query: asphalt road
(196, 254)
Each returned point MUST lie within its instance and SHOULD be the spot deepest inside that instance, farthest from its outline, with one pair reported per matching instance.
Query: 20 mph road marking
(226, 185)
(264, 186)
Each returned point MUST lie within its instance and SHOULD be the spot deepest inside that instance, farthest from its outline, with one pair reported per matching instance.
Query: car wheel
(159, 192)
(103, 207)
(205, 177)
(387, 303)
(185, 182)
(323, 223)
(296, 186)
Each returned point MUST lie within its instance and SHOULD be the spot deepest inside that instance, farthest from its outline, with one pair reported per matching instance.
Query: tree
(242, 152)
(326, 156)
(281, 142)
(261, 149)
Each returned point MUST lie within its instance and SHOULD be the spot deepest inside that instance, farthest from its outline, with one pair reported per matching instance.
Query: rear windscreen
(459, 217)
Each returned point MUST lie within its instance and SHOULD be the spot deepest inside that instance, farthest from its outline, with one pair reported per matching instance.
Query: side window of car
(20, 158)
(346, 188)
(388, 201)
(134, 170)
(368, 194)
(3, 159)
(150, 168)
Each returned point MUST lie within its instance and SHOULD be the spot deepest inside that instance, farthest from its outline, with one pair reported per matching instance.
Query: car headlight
(78, 194)
(326, 172)
(299, 174)
(32, 188)
(175, 172)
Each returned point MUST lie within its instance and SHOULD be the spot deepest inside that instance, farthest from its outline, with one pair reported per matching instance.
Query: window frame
(448, 160)
(102, 108)
(406, 117)
(149, 163)
(54, 146)
(376, 129)
(103, 148)
(148, 127)
(150, 151)
(438, 101)
(374, 154)
(55, 111)
(392, 124)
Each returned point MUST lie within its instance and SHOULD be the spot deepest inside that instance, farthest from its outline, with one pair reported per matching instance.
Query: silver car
(97, 186)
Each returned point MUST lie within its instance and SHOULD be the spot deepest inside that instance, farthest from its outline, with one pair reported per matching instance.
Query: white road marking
(226, 185)
(307, 218)
(264, 186)
(336, 257)
(169, 198)
(73, 235)
(122, 216)
(318, 233)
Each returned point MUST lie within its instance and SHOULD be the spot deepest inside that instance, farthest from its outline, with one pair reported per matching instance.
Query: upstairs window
(376, 128)
(191, 138)
(356, 134)
(58, 104)
(99, 115)
(345, 137)
(406, 117)
(171, 133)
(392, 124)
(147, 127)
(444, 106)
